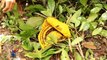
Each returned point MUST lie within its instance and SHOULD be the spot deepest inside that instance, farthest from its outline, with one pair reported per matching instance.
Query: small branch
(70, 47)
(80, 50)
(41, 15)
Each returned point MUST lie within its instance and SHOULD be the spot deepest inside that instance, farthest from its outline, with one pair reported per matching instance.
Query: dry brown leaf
(89, 45)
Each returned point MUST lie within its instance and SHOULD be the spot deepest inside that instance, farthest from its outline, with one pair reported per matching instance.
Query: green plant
(85, 19)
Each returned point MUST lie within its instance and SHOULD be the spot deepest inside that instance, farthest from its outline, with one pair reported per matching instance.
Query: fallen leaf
(89, 45)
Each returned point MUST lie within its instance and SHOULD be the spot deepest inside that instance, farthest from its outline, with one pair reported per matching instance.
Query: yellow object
(61, 27)
(42, 34)
(55, 28)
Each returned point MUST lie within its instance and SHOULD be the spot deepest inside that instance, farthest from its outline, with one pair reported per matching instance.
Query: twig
(70, 47)
(80, 50)
(41, 15)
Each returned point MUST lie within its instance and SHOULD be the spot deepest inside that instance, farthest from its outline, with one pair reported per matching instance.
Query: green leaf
(97, 31)
(39, 54)
(28, 33)
(50, 8)
(92, 17)
(85, 26)
(51, 39)
(24, 26)
(31, 55)
(103, 33)
(81, 18)
(76, 41)
(69, 10)
(62, 18)
(77, 56)
(76, 15)
(27, 45)
(77, 23)
(36, 46)
(105, 6)
(60, 9)
(95, 1)
(46, 58)
(95, 10)
(34, 8)
(89, 53)
(99, 5)
(93, 25)
(34, 55)
(83, 2)
(64, 55)
(15, 9)
(43, 53)
(47, 12)
(61, 1)
(104, 16)
(49, 52)
(74, 18)
(34, 21)
(51, 5)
